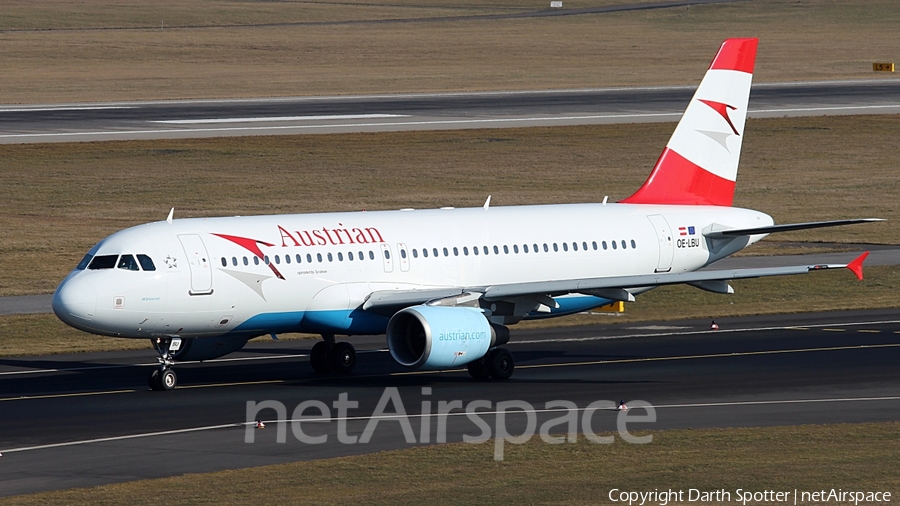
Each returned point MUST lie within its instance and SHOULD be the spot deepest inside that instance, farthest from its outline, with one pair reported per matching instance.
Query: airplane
(442, 284)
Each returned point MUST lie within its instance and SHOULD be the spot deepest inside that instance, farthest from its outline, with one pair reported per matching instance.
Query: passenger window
(584, 246)
(255, 260)
(287, 259)
(245, 261)
(623, 244)
(555, 247)
(633, 244)
(475, 250)
(446, 253)
(103, 262)
(147, 263)
(496, 251)
(424, 252)
(574, 246)
(277, 259)
(82, 265)
(565, 246)
(613, 244)
(604, 244)
(340, 257)
(233, 261)
(402, 253)
(309, 258)
(371, 255)
(435, 252)
(299, 259)
(546, 249)
(127, 262)
(506, 249)
(319, 257)
(466, 250)
(224, 262)
(535, 248)
(266, 259)
(330, 258)
(415, 253)
(361, 256)
(387, 254)
(485, 250)
(350, 256)
(594, 244)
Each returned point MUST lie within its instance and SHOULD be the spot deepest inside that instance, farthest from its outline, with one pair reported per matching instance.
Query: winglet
(856, 265)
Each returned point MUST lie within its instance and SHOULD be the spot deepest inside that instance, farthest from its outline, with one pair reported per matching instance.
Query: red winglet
(856, 265)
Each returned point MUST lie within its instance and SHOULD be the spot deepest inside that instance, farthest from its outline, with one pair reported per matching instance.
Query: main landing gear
(164, 378)
(327, 355)
(497, 363)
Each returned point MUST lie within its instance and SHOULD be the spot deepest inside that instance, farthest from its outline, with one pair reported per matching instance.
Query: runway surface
(89, 419)
(438, 111)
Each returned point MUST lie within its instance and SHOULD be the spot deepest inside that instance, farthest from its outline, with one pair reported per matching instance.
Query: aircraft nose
(75, 301)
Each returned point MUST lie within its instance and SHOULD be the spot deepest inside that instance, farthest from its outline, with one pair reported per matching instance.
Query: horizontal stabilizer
(737, 232)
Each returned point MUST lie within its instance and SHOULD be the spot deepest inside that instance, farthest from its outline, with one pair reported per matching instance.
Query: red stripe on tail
(736, 54)
(676, 180)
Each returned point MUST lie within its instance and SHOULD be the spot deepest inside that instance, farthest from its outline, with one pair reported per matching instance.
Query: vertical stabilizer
(699, 164)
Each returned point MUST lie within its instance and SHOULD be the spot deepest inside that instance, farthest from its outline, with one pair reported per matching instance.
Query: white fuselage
(211, 276)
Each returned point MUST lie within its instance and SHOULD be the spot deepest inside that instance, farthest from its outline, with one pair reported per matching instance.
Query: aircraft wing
(613, 287)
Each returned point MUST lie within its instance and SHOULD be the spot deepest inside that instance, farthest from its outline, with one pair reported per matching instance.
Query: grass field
(862, 457)
(101, 50)
(57, 200)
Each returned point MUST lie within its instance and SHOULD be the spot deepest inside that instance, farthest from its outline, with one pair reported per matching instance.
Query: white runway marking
(278, 118)
(453, 414)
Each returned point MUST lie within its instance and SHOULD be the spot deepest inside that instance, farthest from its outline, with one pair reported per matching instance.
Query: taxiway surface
(89, 419)
(437, 111)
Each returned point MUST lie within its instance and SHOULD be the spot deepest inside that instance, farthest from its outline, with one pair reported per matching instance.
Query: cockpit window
(84, 262)
(146, 263)
(103, 262)
(127, 262)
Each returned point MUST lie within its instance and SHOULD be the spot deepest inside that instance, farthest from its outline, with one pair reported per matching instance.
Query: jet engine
(438, 337)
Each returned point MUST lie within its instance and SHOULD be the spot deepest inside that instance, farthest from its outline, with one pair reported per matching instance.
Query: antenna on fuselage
(487, 203)
(605, 199)
(169, 217)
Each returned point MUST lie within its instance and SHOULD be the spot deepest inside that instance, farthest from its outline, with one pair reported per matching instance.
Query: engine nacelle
(438, 337)
(207, 348)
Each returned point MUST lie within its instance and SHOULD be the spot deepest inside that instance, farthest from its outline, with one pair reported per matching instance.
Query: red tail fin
(699, 164)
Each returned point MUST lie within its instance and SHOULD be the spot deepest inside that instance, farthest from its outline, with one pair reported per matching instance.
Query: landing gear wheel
(500, 363)
(168, 380)
(318, 357)
(342, 357)
(154, 381)
(478, 370)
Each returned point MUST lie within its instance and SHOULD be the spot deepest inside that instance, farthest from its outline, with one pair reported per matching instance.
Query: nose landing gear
(164, 378)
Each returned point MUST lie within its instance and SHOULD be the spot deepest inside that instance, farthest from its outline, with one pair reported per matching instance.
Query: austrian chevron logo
(722, 109)
(252, 245)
